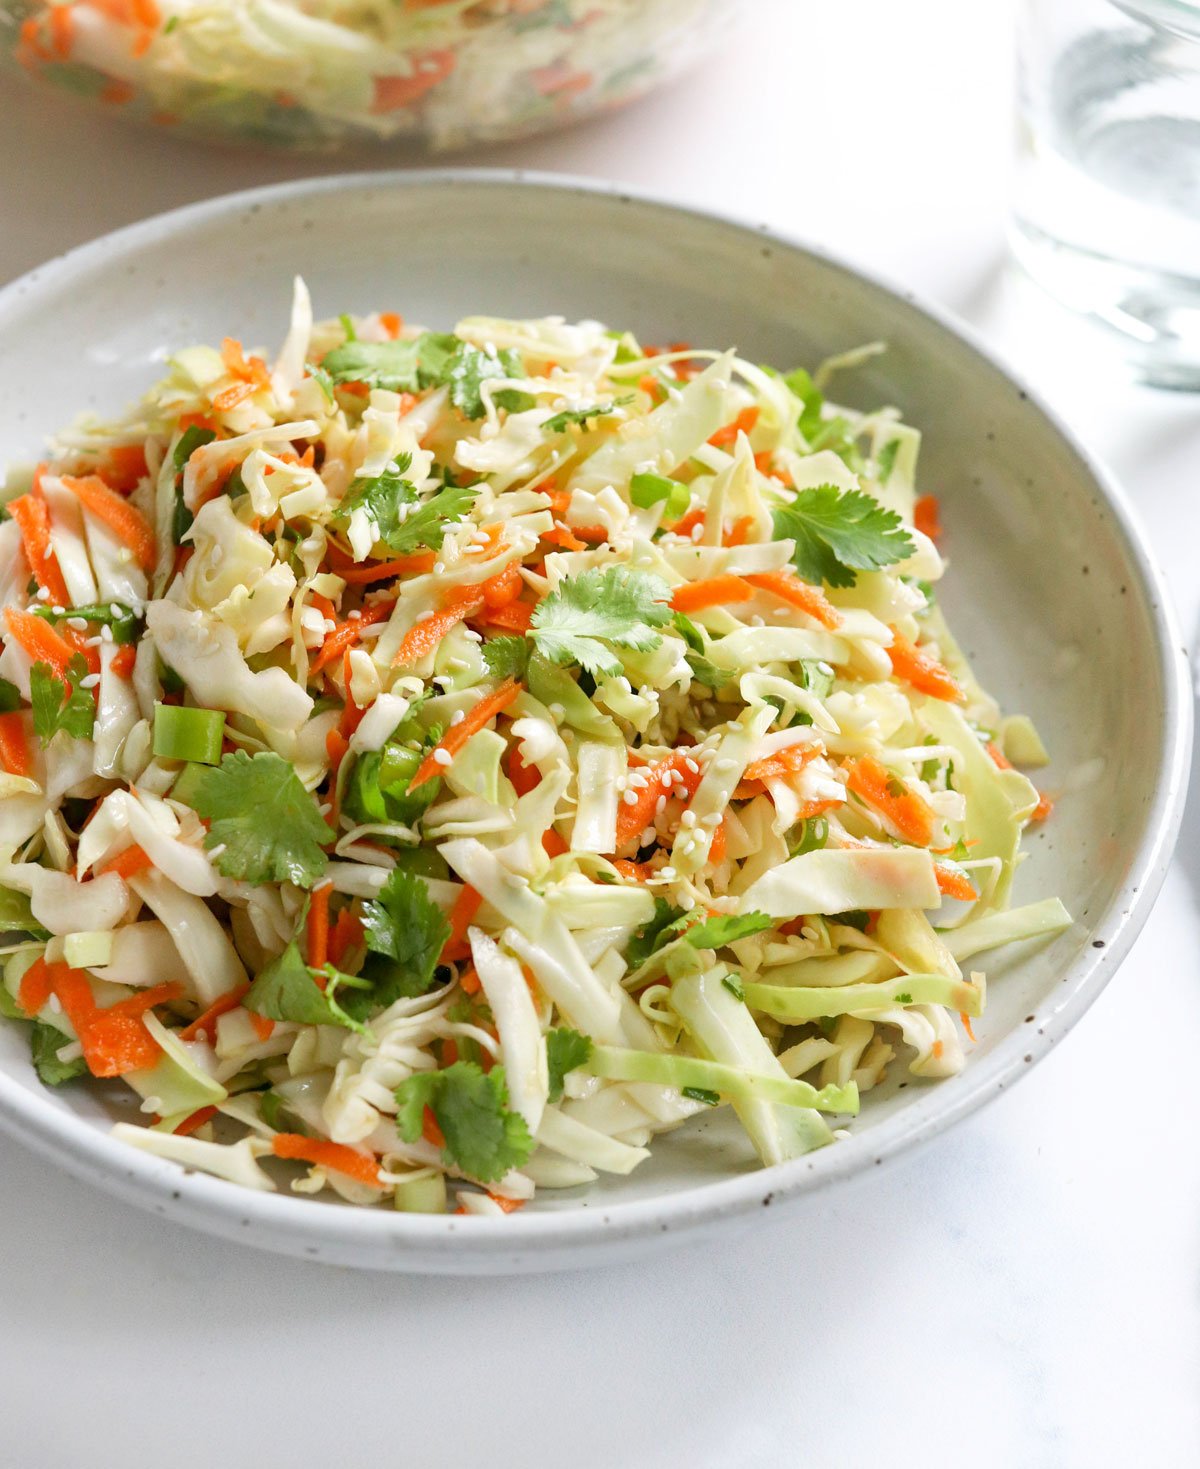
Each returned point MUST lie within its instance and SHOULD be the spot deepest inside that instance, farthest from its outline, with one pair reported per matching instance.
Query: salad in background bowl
(319, 74)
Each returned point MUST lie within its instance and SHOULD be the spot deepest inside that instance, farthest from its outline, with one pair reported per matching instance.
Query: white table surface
(1021, 1292)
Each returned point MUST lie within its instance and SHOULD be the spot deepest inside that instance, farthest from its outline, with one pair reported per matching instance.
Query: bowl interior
(1046, 589)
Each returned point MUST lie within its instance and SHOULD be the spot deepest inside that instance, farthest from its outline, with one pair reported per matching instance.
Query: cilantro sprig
(265, 827)
(382, 497)
(405, 932)
(287, 989)
(483, 1136)
(838, 533)
(61, 704)
(588, 615)
(565, 1051)
(432, 360)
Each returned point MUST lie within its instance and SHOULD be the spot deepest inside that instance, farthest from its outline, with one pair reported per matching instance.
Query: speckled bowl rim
(449, 1244)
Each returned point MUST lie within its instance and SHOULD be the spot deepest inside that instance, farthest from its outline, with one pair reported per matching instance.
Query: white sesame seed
(692, 766)
(78, 623)
(687, 902)
(106, 633)
(58, 611)
(92, 642)
(42, 594)
(89, 681)
(630, 798)
(443, 758)
(697, 532)
(712, 819)
(325, 808)
(660, 805)
(217, 851)
(667, 872)
(457, 717)
(688, 819)
(424, 616)
(724, 765)
(116, 609)
(648, 836)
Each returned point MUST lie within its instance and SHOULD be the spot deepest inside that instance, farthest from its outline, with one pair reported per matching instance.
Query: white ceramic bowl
(1051, 588)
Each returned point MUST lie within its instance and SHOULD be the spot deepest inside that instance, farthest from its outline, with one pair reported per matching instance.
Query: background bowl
(320, 74)
(1051, 590)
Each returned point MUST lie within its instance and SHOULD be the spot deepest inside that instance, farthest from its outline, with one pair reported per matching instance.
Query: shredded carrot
(126, 465)
(469, 981)
(318, 925)
(923, 672)
(417, 564)
(689, 522)
(938, 1048)
(563, 537)
(742, 424)
(796, 593)
(966, 1024)
(953, 884)
(15, 753)
(346, 634)
(1043, 809)
(784, 763)
(81, 644)
(123, 660)
(323, 1154)
(671, 776)
(638, 872)
(716, 850)
(524, 778)
(32, 516)
(716, 591)
(62, 30)
(394, 93)
(509, 1206)
(206, 1024)
(238, 365)
(196, 1121)
(143, 1000)
(926, 517)
(739, 532)
(462, 915)
(126, 522)
(504, 587)
(552, 844)
(392, 323)
(36, 986)
(262, 1025)
(515, 617)
(912, 817)
(424, 636)
(1001, 761)
(127, 864)
(458, 734)
(345, 935)
(430, 1130)
(39, 640)
(113, 1041)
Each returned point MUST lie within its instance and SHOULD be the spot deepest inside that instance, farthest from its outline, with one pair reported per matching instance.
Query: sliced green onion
(194, 437)
(646, 490)
(124, 621)
(188, 734)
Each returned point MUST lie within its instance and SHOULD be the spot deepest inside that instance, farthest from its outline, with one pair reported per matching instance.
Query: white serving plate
(1052, 591)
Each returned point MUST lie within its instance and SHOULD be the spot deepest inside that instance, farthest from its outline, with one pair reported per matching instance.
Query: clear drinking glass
(1107, 205)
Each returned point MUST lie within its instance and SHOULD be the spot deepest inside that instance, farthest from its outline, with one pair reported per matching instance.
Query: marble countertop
(1020, 1292)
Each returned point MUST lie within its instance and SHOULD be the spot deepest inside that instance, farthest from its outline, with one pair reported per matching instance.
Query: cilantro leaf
(405, 366)
(470, 368)
(612, 605)
(381, 497)
(45, 1042)
(734, 986)
(320, 376)
(264, 822)
(651, 936)
(811, 402)
(427, 524)
(482, 1136)
(565, 1050)
(61, 705)
(838, 532)
(727, 928)
(286, 990)
(581, 416)
(10, 697)
(702, 1094)
(507, 657)
(886, 460)
(405, 932)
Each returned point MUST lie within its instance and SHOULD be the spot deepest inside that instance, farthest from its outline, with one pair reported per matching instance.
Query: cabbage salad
(313, 72)
(447, 761)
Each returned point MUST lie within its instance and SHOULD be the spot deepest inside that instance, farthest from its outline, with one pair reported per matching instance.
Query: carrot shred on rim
(36, 987)
(458, 734)
(927, 517)
(323, 1154)
(126, 864)
(195, 1121)
(742, 424)
(952, 884)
